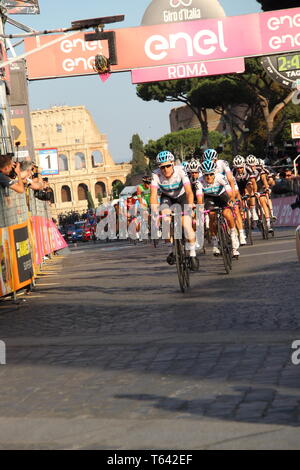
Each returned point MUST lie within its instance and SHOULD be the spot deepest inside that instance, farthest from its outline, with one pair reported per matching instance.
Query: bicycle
(181, 256)
(224, 239)
(262, 220)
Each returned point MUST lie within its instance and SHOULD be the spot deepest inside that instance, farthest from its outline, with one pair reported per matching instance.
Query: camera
(296, 204)
(13, 173)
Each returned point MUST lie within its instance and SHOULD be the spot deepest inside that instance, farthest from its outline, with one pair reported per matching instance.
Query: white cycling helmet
(238, 161)
(251, 160)
(164, 157)
(261, 162)
(194, 166)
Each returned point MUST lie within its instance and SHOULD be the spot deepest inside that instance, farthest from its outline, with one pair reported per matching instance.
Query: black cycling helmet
(146, 179)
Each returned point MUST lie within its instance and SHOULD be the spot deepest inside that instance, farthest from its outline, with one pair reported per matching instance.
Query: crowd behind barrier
(27, 235)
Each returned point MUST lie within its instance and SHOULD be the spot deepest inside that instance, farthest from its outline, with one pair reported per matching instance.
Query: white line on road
(269, 253)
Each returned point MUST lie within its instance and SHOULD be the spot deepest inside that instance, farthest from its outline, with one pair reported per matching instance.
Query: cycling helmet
(251, 160)
(194, 165)
(185, 165)
(261, 162)
(164, 157)
(208, 166)
(210, 154)
(146, 179)
(238, 161)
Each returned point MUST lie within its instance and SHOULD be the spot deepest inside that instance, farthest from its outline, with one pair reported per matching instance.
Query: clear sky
(116, 109)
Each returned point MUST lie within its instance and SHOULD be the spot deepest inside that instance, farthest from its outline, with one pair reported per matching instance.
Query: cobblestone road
(108, 354)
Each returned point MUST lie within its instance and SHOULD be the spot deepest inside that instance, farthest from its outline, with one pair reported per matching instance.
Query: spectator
(10, 174)
(30, 177)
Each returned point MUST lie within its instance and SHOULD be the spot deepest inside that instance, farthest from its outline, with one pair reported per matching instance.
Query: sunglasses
(209, 174)
(165, 166)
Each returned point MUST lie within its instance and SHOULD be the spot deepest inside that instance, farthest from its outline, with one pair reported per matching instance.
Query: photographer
(30, 176)
(10, 174)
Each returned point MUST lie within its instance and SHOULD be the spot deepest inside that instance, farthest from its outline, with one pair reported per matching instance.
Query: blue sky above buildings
(114, 105)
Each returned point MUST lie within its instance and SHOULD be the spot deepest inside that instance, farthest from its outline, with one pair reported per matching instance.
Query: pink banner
(56, 239)
(257, 34)
(47, 238)
(286, 216)
(175, 72)
(38, 239)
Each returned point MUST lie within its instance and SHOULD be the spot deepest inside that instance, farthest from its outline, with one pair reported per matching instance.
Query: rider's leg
(239, 220)
(252, 201)
(234, 238)
(264, 204)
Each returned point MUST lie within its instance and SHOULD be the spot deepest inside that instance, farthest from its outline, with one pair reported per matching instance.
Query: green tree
(100, 199)
(268, 5)
(91, 204)
(270, 97)
(183, 144)
(176, 91)
(200, 94)
(117, 188)
(139, 163)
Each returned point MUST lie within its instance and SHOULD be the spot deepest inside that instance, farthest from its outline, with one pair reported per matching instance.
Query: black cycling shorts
(170, 201)
(218, 201)
(242, 184)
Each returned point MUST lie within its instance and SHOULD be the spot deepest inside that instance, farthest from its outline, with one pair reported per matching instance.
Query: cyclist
(260, 187)
(223, 168)
(242, 175)
(270, 175)
(175, 188)
(213, 187)
(185, 165)
(194, 173)
(143, 191)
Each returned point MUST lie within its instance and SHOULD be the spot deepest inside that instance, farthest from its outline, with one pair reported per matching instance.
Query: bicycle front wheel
(225, 246)
(182, 266)
(248, 226)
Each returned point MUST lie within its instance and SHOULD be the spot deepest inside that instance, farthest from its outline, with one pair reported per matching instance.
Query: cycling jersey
(269, 171)
(145, 193)
(218, 187)
(223, 167)
(245, 176)
(173, 186)
(257, 173)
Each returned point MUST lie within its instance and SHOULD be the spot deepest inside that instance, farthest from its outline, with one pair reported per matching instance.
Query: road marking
(268, 242)
(113, 248)
(269, 253)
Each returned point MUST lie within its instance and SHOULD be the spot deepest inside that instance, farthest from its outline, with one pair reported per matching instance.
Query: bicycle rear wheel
(182, 266)
(265, 229)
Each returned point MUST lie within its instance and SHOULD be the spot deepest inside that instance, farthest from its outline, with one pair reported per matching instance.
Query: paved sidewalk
(108, 354)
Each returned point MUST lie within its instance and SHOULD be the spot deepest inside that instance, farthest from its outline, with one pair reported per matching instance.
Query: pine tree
(139, 162)
(91, 204)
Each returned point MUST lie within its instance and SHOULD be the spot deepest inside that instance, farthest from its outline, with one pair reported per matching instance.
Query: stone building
(184, 118)
(85, 163)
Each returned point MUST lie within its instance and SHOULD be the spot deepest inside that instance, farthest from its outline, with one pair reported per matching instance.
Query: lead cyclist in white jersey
(175, 188)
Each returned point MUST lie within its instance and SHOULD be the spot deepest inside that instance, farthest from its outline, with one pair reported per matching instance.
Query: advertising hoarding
(242, 36)
(175, 72)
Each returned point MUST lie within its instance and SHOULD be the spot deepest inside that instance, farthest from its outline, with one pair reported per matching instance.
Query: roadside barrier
(27, 234)
(286, 216)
